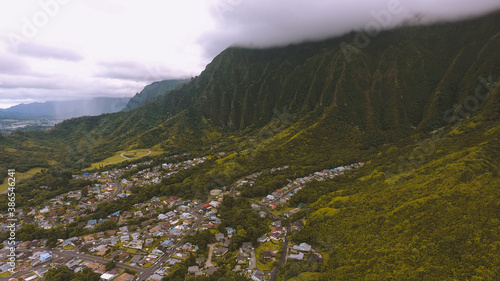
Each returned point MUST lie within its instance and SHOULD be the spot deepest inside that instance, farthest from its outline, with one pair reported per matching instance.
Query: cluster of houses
(145, 176)
(109, 186)
(158, 229)
(281, 196)
(250, 179)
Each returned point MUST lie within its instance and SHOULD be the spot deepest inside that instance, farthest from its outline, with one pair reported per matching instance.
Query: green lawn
(258, 251)
(121, 156)
(20, 176)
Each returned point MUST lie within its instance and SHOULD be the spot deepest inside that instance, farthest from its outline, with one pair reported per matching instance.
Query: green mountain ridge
(153, 92)
(420, 105)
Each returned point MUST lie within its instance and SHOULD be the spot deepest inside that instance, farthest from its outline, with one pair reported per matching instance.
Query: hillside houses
(281, 196)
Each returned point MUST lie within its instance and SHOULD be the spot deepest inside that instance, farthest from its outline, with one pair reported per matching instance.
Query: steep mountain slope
(402, 83)
(152, 91)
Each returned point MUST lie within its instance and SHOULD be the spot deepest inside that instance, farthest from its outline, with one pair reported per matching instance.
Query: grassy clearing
(121, 156)
(267, 266)
(278, 211)
(20, 176)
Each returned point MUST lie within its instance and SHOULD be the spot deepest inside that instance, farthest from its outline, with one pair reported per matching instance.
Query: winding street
(284, 251)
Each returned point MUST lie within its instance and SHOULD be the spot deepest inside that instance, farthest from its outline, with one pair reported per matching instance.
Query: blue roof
(92, 222)
(86, 174)
(167, 243)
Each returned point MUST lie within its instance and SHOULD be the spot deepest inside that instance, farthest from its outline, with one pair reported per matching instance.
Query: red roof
(206, 206)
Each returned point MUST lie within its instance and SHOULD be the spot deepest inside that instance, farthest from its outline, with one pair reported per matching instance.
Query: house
(124, 229)
(277, 230)
(211, 270)
(214, 204)
(267, 255)
(155, 277)
(114, 240)
(136, 258)
(247, 247)
(88, 238)
(155, 229)
(122, 257)
(263, 239)
(45, 257)
(103, 251)
(219, 236)
(240, 259)
(107, 277)
(175, 232)
(125, 277)
(230, 230)
(193, 269)
(258, 276)
(220, 251)
(276, 223)
(255, 207)
(94, 265)
(167, 243)
(299, 256)
(200, 261)
(303, 247)
(275, 236)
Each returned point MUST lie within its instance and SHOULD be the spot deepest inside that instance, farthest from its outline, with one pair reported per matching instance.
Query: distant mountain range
(59, 110)
(65, 109)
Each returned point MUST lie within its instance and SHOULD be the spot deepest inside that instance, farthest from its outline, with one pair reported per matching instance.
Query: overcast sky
(72, 49)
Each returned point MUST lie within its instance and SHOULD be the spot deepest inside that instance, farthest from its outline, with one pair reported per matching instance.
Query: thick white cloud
(63, 49)
(263, 23)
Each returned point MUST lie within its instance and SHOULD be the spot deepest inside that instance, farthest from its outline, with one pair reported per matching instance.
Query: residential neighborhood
(153, 236)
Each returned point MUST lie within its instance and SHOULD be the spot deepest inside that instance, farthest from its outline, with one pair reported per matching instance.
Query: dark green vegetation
(152, 92)
(424, 207)
(64, 274)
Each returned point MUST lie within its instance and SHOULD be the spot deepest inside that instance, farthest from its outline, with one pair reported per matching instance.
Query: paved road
(253, 260)
(284, 252)
(210, 252)
(284, 255)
